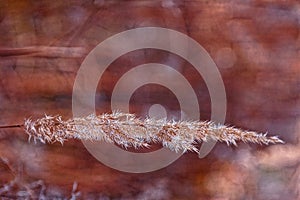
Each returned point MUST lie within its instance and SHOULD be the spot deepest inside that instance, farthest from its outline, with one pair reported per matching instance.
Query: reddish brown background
(255, 45)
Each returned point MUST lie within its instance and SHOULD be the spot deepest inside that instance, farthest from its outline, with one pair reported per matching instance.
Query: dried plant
(129, 131)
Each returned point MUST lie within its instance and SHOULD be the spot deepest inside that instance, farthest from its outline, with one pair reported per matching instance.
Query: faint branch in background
(44, 51)
(75, 193)
(17, 182)
(129, 131)
(17, 189)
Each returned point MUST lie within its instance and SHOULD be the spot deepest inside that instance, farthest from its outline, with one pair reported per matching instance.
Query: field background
(255, 44)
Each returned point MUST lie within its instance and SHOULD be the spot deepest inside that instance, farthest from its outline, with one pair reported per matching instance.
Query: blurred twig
(44, 51)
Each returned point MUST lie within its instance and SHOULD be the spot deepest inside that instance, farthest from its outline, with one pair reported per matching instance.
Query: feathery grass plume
(129, 131)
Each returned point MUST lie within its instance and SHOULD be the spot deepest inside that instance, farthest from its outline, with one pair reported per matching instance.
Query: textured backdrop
(255, 44)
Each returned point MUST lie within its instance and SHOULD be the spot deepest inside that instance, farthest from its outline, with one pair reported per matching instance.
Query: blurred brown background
(255, 44)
